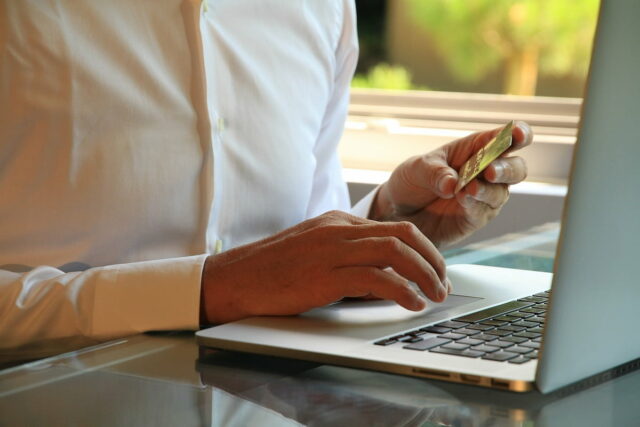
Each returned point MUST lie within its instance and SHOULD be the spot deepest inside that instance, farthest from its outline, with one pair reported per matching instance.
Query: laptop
(505, 328)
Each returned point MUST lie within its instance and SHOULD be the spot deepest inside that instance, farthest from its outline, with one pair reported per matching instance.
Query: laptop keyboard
(510, 332)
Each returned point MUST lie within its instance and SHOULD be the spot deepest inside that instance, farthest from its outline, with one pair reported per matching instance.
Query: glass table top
(167, 379)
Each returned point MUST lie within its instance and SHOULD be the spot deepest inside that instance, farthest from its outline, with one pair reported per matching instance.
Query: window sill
(386, 127)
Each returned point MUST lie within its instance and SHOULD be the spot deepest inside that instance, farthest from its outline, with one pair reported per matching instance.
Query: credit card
(484, 156)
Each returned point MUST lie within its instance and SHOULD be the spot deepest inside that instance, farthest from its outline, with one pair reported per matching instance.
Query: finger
(449, 286)
(460, 150)
(522, 135)
(409, 234)
(493, 195)
(434, 173)
(506, 170)
(391, 252)
(359, 281)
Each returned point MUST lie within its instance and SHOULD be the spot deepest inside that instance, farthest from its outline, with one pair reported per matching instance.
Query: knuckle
(392, 245)
(330, 218)
(330, 229)
(334, 215)
(406, 228)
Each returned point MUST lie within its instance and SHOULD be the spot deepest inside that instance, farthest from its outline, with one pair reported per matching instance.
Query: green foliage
(475, 37)
(385, 76)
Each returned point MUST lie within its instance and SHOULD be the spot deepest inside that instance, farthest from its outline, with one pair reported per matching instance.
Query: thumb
(439, 177)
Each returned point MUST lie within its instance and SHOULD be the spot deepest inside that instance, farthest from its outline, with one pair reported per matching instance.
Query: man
(167, 164)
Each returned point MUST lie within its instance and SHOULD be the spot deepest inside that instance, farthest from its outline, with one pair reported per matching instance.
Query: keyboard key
(531, 344)
(485, 337)
(520, 349)
(511, 328)
(466, 331)
(427, 344)
(505, 318)
(520, 360)
(494, 323)
(485, 348)
(413, 339)
(386, 342)
(533, 354)
(440, 329)
(537, 330)
(499, 333)
(529, 335)
(526, 323)
(455, 346)
(539, 339)
(500, 343)
(417, 333)
(537, 319)
(516, 340)
(533, 310)
(465, 353)
(534, 299)
(470, 341)
(452, 324)
(521, 314)
(480, 327)
(493, 311)
(452, 336)
(500, 356)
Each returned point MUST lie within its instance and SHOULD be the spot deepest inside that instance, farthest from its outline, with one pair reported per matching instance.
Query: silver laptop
(504, 328)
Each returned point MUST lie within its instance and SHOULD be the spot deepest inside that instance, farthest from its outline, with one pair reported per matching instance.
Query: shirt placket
(210, 128)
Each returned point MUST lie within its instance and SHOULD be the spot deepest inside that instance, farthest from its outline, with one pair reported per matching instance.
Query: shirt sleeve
(45, 307)
(329, 189)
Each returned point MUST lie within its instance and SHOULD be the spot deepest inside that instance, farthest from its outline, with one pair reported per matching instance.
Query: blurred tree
(385, 76)
(477, 36)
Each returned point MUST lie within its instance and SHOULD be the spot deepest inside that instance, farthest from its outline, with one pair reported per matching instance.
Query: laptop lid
(591, 323)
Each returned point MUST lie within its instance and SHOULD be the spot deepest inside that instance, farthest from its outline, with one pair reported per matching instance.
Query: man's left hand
(421, 189)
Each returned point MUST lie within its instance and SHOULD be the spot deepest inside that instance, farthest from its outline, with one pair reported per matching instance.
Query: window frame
(385, 127)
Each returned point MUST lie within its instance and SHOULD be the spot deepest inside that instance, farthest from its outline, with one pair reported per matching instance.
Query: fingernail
(442, 292)
(449, 285)
(419, 303)
(526, 129)
(443, 182)
(499, 171)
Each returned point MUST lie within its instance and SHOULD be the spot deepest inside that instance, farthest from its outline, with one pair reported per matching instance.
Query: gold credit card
(484, 156)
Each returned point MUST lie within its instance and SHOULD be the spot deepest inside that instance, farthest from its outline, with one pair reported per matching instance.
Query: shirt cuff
(363, 206)
(150, 295)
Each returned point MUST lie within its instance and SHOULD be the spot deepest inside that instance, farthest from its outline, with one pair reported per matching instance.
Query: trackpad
(383, 311)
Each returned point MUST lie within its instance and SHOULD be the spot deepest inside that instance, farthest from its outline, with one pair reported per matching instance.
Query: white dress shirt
(138, 136)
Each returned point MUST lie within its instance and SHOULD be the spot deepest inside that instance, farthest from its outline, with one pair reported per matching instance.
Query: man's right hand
(320, 261)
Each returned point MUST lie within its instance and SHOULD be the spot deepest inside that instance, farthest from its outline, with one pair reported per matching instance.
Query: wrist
(381, 205)
(220, 297)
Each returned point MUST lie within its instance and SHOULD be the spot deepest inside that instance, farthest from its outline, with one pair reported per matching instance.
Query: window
(434, 70)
